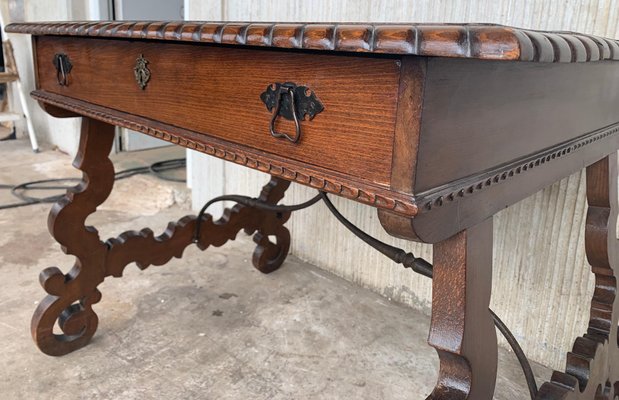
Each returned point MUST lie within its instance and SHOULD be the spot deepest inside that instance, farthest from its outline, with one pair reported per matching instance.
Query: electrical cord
(19, 191)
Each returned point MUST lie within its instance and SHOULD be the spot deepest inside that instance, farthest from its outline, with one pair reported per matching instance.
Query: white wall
(59, 132)
(542, 284)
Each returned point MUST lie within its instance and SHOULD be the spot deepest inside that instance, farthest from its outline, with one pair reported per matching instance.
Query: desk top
(431, 124)
(475, 41)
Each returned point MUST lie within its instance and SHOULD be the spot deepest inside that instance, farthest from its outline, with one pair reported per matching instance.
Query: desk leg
(462, 330)
(72, 296)
(592, 370)
(269, 256)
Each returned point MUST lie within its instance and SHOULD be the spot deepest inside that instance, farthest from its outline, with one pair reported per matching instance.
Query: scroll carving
(592, 370)
(71, 297)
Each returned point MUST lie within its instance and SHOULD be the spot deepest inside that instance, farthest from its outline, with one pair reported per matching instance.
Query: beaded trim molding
(477, 41)
(470, 185)
(400, 203)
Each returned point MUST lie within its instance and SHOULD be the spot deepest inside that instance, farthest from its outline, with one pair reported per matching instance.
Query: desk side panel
(478, 115)
(495, 133)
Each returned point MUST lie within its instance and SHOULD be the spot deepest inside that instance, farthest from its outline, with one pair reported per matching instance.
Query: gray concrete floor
(207, 326)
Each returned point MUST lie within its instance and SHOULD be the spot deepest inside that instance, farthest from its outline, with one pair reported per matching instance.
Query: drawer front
(217, 91)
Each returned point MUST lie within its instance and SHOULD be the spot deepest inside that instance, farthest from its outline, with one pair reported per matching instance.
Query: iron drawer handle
(63, 67)
(285, 91)
(291, 102)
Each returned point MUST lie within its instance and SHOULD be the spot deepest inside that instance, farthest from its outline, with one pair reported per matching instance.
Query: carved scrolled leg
(592, 371)
(269, 256)
(462, 331)
(71, 296)
(145, 249)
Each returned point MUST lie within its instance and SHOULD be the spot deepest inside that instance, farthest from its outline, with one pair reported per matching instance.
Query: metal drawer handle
(291, 102)
(63, 67)
(285, 91)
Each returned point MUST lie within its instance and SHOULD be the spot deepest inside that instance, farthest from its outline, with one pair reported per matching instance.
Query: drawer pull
(291, 102)
(63, 67)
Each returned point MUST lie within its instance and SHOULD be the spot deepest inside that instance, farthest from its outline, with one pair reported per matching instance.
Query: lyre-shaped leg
(269, 256)
(71, 296)
(462, 331)
(592, 371)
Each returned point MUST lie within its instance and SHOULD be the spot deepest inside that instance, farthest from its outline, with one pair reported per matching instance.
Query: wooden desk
(437, 126)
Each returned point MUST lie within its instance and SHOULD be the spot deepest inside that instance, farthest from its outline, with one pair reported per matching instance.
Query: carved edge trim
(471, 185)
(479, 41)
(400, 203)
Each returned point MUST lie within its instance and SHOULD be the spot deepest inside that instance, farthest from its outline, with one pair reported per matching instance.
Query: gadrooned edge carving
(399, 203)
(479, 41)
(476, 183)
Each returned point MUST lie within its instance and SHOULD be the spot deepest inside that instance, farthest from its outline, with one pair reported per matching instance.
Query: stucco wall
(62, 133)
(542, 284)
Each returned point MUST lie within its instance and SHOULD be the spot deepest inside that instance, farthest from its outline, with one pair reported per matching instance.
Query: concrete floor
(207, 326)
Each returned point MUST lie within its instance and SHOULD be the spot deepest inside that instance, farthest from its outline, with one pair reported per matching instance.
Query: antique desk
(437, 126)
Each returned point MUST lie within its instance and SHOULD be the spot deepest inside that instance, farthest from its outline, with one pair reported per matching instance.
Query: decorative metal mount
(63, 67)
(291, 102)
(141, 72)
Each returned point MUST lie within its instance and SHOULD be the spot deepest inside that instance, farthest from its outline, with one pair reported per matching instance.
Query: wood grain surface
(492, 133)
(592, 365)
(71, 296)
(351, 187)
(490, 113)
(216, 91)
(462, 331)
(480, 41)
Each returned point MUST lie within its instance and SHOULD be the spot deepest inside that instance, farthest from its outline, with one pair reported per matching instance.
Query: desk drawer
(216, 91)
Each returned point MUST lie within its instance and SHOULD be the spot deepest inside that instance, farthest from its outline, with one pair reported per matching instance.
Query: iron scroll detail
(291, 102)
(141, 72)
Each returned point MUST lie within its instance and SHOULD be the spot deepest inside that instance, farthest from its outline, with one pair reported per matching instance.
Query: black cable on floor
(19, 191)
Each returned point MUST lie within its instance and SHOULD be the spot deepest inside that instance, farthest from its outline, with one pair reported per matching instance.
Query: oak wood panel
(462, 331)
(477, 115)
(406, 142)
(216, 91)
(355, 188)
(479, 41)
(71, 296)
(591, 367)
(466, 211)
(493, 133)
